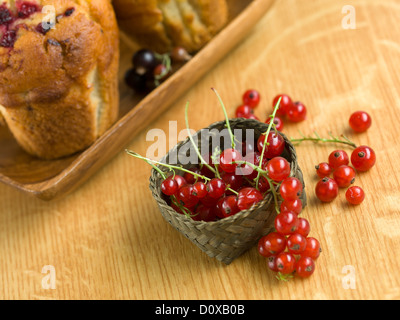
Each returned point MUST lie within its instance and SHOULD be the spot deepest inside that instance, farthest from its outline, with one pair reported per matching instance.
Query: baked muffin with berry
(161, 25)
(58, 73)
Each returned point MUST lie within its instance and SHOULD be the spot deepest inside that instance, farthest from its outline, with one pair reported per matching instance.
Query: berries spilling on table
(150, 69)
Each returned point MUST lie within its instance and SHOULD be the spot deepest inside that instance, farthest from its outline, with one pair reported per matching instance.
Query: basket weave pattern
(228, 238)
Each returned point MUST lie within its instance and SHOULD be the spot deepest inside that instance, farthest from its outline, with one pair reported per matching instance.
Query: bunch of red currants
(362, 158)
(292, 111)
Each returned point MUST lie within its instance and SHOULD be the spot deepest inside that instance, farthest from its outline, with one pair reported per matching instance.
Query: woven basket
(228, 238)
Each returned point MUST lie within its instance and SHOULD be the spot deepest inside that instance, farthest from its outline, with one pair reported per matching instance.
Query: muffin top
(46, 47)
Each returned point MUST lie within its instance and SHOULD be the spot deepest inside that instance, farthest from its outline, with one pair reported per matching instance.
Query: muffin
(58, 73)
(161, 25)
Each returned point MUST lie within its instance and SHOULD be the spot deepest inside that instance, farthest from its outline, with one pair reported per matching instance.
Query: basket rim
(241, 214)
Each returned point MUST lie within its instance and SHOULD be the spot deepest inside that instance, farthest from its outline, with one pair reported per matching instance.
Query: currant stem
(192, 141)
(226, 118)
(172, 167)
(266, 139)
(317, 139)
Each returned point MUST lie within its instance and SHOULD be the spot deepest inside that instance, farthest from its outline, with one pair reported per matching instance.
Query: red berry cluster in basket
(292, 111)
(231, 180)
(337, 173)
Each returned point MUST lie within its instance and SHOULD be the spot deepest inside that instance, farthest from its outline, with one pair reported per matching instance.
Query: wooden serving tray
(51, 179)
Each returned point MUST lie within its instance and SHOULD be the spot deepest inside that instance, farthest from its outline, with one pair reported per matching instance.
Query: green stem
(192, 141)
(317, 139)
(226, 118)
(170, 166)
(266, 138)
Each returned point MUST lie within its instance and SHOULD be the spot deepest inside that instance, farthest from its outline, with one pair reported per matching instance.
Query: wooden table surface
(107, 240)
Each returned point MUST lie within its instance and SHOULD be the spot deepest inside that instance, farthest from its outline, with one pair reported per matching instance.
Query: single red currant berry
(296, 243)
(327, 189)
(286, 102)
(243, 111)
(248, 197)
(261, 249)
(232, 181)
(251, 98)
(200, 189)
(208, 201)
(313, 249)
(278, 169)
(297, 112)
(291, 189)
(360, 121)
(263, 185)
(253, 158)
(169, 186)
(274, 146)
(304, 267)
(216, 188)
(204, 213)
(278, 122)
(274, 243)
(323, 170)
(180, 180)
(344, 176)
(285, 262)
(363, 158)
(286, 223)
(303, 227)
(186, 197)
(355, 195)
(228, 206)
(295, 206)
(272, 263)
(227, 160)
(338, 158)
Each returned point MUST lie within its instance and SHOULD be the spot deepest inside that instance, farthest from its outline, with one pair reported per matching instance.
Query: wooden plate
(51, 179)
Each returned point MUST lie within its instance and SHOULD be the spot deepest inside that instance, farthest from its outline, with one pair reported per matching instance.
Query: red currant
(180, 180)
(286, 102)
(186, 197)
(216, 188)
(363, 158)
(273, 243)
(261, 249)
(228, 206)
(297, 112)
(291, 189)
(208, 201)
(360, 121)
(169, 186)
(227, 160)
(323, 170)
(247, 197)
(253, 158)
(355, 195)
(344, 176)
(286, 222)
(285, 262)
(232, 180)
(338, 158)
(278, 169)
(200, 189)
(274, 146)
(296, 243)
(295, 206)
(304, 267)
(327, 189)
(313, 249)
(272, 263)
(251, 98)
(243, 111)
(304, 227)
(263, 185)
(278, 122)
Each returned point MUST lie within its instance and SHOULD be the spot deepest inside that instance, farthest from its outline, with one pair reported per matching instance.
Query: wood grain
(107, 240)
